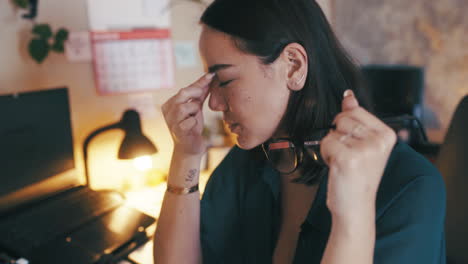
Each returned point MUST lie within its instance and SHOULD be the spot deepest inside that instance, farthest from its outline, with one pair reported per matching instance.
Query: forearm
(351, 241)
(177, 238)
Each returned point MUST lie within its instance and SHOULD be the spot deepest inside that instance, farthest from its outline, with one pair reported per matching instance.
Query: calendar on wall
(132, 61)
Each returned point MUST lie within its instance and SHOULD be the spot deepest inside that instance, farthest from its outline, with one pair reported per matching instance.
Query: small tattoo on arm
(191, 175)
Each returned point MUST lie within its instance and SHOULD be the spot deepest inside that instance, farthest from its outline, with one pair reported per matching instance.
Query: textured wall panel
(433, 34)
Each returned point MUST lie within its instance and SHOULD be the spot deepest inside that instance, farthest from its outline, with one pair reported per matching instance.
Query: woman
(333, 186)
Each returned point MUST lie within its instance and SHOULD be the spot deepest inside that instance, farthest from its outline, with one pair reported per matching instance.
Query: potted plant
(44, 40)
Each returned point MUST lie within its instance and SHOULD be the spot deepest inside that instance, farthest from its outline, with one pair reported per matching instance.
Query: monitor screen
(395, 89)
(35, 138)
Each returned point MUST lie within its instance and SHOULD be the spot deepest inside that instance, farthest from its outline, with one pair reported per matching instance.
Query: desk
(149, 201)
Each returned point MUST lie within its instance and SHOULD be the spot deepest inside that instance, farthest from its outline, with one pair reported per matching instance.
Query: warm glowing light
(143, 163)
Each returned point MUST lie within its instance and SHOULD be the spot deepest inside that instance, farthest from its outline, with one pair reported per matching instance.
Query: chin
(247, 143)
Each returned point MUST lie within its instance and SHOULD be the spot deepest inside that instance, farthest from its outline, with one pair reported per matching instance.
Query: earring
(302, 78)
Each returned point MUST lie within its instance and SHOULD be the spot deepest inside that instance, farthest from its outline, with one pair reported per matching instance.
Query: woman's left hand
(356, 153)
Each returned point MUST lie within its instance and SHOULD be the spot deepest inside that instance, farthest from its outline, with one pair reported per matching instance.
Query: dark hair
(264, 28)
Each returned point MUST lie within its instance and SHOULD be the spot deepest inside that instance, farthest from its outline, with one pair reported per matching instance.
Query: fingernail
(348, 93)
(210, 75)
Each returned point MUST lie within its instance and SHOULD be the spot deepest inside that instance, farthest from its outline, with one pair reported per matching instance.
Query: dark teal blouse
(240, 213)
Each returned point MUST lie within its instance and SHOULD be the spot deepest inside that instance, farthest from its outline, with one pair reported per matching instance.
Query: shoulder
(410, 210)
(411, 179)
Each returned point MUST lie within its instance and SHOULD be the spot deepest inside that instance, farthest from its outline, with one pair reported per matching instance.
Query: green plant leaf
(42, 30)
(58, 46)
(61, 35)
(21, 3)
(38, 49)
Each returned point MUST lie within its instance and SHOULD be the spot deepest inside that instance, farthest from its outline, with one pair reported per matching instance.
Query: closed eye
(223, 84)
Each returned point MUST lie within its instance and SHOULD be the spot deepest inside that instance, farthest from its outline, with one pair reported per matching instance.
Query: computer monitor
(395, 89)
(36, 146)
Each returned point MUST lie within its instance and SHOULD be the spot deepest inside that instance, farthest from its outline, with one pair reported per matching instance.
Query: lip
(233, 127)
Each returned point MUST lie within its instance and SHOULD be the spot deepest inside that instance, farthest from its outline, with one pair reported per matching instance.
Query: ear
(295, 58)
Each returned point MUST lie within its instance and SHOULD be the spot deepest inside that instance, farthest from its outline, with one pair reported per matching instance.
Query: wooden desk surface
(149, 201)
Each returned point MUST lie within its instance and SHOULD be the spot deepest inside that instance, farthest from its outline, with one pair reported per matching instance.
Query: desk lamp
(134, 144)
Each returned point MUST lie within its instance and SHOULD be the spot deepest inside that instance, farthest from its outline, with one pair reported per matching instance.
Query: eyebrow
(218, 67)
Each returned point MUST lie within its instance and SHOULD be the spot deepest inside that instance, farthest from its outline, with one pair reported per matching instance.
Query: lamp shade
(134, 144)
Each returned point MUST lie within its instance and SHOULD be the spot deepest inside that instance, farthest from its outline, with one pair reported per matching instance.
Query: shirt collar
(271, 177)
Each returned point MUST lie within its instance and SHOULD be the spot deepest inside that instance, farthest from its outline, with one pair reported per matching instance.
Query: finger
(184, 111)
(188, 124)
(363, 116)
(197, 90)
(348, 154)
(347, 139)
(197, 128)
(349, 101)
(200, 122)
(349, 125)
(331, 146)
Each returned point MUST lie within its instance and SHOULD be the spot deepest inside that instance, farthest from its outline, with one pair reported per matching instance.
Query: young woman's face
(253, 97)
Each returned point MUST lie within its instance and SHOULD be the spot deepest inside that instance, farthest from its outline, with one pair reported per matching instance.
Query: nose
(217, 101)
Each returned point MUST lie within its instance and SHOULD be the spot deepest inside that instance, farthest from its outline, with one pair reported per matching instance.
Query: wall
(432, 34)
(19, 73)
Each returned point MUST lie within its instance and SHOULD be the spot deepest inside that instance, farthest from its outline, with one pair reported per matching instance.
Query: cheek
(259, 113)
(237, 98)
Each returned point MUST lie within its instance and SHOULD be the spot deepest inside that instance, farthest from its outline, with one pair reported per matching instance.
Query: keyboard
(61, 215)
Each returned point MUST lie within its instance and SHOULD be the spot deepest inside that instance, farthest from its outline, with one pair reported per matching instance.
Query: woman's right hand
(184, 117)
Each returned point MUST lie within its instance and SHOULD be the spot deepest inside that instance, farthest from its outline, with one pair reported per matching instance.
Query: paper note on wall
(78, 47)
(185, 54)
(128, 14)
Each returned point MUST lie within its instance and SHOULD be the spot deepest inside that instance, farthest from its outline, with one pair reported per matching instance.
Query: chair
(452, 162)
